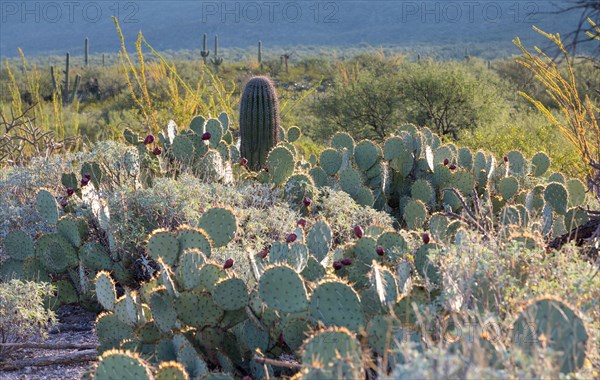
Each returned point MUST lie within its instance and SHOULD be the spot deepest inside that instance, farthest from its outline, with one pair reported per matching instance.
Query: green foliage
(23, 316)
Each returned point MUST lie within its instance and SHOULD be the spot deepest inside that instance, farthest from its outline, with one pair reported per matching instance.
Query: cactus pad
(281, 164)
(328, 345)
(183, 149)
(281, 288)
(188, 268)
(105, 290)
(197, 309)
(576, 191)
(331, 161)
(162, 244)
(74, 230)
(423, 191)
(415, 214)
(210, 274)
(336, 304)
(163, 312)
(18, 245)
(214, 127)
(118, 365)
(46, 206)
(552, 323)
(190, 237)
(343, 140)
(350, 181)
(95, 257)
(111, 331)
(220, 224)
(171, 371)
(557, 197)
(56, 253)
(366, 154)
(540, 163)
(293, 134)
(319, 240)
(230, 294)
(508, 187)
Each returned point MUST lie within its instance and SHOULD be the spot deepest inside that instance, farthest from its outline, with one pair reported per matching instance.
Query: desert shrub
(450, 97)
(529, 133)
(23, 317)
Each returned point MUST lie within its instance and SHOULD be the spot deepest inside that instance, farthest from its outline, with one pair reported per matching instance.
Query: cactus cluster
(207, 149)
(418, 179)
(307, 298)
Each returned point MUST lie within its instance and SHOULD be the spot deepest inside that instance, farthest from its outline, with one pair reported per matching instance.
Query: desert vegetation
(375, 216)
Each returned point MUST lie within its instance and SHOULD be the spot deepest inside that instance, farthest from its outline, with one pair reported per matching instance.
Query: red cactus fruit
(358, 231)
(380, 250)
(262, 254)
(505, 159)
(446, 161)
(243, 161)
(452, 167)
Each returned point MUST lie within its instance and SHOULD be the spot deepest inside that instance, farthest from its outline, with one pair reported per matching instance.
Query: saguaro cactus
(204, 52)
(259, 121)
(64, 89)
(260, 54)
(86, 52)
(216, 60)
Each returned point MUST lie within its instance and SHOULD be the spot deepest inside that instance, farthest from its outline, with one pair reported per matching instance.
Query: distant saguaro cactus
(204, 52)
(259, 121)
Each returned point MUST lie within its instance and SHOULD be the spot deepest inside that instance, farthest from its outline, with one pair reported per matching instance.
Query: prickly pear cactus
(117, 365)
(548, 322)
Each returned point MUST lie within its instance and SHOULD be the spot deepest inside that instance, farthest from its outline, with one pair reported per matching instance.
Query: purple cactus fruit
(64, 202)
(70, 191)
(228, 264)
(157, 151)
(505, 159)
(243, 161)
(337, 265)
(206, 136)
(262, 254)
(307, 201)
(291, 238)
(426, 239)
(148, 140)
(380, 250)
(346, 261)
(358, 231)
(87, 176)
(446, 161)
(301, 222)
(452, 167)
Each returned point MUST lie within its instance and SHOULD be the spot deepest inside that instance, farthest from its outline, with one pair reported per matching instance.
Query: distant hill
(48, 27)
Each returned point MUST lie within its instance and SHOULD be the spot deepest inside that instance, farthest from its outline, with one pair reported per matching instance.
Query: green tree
(449, 96)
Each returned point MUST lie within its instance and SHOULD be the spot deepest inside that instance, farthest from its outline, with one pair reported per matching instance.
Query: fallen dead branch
(72, 357)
